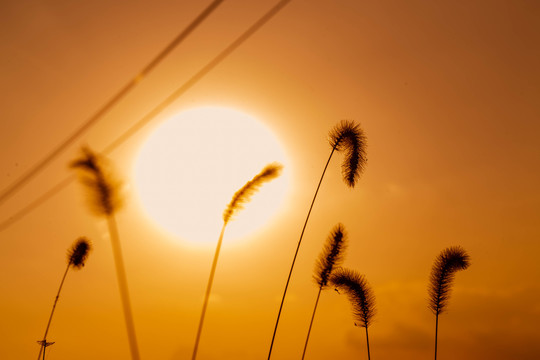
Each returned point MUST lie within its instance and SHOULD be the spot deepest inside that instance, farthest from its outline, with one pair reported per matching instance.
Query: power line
(18, 184)
(34, 204)
(154, 112)
(197, 77)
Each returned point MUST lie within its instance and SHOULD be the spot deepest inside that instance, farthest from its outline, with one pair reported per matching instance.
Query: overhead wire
(39, 166)
(156, 110)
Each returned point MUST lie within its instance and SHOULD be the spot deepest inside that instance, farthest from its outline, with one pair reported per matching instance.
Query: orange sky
(447, 93)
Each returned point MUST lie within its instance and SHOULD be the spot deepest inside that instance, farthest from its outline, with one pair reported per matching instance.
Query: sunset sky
(447, 93)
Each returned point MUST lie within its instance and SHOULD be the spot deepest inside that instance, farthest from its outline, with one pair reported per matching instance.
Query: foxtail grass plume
(345, 137)
(356, 287)
(331, 256)
(103, 188)
(360, 295)
(349, 138)
(105, 200)
(239, 199)
(77, 255)
(243, 196)
(449, 261)
(329, 259)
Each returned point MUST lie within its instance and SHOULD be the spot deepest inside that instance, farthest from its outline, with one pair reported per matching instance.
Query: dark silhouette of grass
(349, 138)
(449, 261)
(362, 299)
(239, 199)
(345, 137)
(105, 200)
(76, 258)
(330, 258)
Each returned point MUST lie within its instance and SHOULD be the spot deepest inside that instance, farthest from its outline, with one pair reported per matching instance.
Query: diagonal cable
(154, 112)
(38, 167)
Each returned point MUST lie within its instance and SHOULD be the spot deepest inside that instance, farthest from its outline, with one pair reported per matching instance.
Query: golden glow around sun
(190, 167)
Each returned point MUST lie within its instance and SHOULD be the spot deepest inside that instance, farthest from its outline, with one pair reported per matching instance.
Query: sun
(189, 168)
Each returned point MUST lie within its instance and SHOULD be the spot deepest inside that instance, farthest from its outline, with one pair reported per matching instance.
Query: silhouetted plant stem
(349, 138)
(56, 300)
(208, 291)
(105, 200)
(311, 322)
(447, 263)
(367, 341)
(44, 341)
(296, 253)
(123, 286)
(237, 202)
(77, 255)
(436, 332)
(328, 260)
(360, 295)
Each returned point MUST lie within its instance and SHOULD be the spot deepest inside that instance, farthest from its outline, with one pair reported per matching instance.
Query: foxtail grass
(360, 295)
(105, 200)
(239, 199)
(76, 258)
(348, 138)
(329, 259)
(449, 261)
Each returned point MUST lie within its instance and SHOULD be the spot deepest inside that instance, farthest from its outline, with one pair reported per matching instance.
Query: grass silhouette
(329, 259)
(76, 257)
(449, 261)
(356, 287)
(105, 200)
(349, 138)
(239, 199)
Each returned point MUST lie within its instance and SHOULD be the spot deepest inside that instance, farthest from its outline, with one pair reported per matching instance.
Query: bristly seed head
(331, 256)
(102, 187)
(359, 293)
(78, 253)
(349, 137)
(242, 196)
(449, 261)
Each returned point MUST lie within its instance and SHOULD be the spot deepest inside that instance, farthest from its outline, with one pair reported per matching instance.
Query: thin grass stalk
(311, 322)
(123, 286)
(239, 199)
(367, 341)
(349, 138)
(105, 200)
(436, 332)
(76, 256)
(447, 263)
(360, 296)
(296, 253)
(330, 257)
(44, 341)
(208, 291)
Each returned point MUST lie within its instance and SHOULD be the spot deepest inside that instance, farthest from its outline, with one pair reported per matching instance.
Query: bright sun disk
(190, 167)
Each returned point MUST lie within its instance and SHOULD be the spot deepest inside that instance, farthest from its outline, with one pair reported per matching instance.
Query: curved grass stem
(311, 322)
(123, 286)
(44, 341)
(296, 253)
(208, 291)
